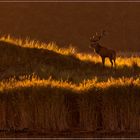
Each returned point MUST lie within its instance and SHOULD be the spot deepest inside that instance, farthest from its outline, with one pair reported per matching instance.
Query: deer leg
(114, 62)
(111, 62)
(103, 61)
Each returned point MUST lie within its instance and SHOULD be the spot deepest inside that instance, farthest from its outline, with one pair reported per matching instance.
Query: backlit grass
(46, 88)
(29, 82)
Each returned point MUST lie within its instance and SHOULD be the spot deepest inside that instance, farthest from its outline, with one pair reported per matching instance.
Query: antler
(97, 37)
(103, 33)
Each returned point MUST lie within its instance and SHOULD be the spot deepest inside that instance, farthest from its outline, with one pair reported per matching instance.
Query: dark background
(73, 23)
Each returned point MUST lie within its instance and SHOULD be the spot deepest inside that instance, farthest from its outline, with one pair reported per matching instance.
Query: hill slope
(44, 88)
(24, 57)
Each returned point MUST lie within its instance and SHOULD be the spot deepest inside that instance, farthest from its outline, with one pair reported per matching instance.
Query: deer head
(95, 38)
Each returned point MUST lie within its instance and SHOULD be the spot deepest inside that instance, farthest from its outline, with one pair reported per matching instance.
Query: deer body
(103, 51)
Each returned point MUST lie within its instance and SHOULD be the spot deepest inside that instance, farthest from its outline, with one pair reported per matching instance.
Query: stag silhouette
(102, 51)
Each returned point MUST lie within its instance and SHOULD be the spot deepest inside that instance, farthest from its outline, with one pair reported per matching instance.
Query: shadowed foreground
(41, 106)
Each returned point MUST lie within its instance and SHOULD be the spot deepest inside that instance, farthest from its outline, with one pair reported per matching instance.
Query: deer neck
(97, 48)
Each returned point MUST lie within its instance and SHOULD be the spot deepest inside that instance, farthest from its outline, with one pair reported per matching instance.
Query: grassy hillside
(46, 88)
(25, 57)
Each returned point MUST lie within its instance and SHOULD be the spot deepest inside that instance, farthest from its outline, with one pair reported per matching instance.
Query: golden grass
(49, 105)
(46, 88)
(27, 43)
(121, 61)
(29, 82)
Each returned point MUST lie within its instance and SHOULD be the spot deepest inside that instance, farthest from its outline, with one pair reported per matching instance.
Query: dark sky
(74, 23)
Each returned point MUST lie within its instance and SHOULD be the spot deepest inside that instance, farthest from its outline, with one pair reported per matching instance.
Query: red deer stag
(102, 51)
